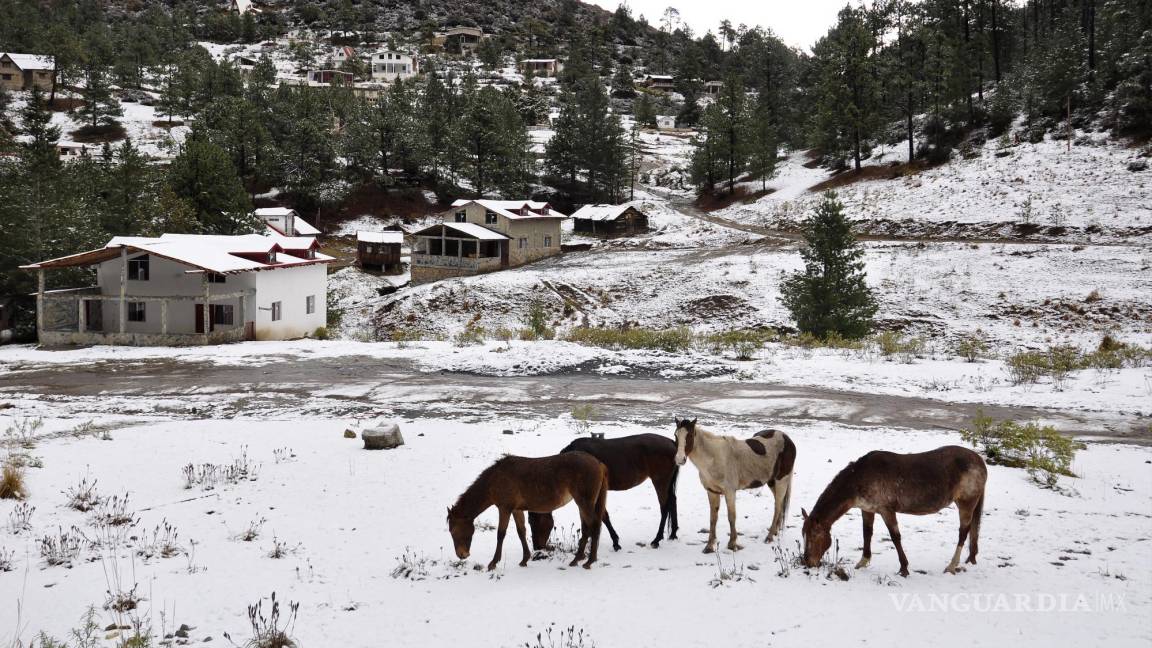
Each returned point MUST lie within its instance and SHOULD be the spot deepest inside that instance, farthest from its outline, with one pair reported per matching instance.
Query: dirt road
(362, 386)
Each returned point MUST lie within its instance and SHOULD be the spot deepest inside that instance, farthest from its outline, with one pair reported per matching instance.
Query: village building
(713, 88)
(240, 6)
(379, 250)
(662, 82)
(541, 67)
(22, 71)
(343, 54)
(666, 122)
(331, 77)
(389, 66)
(609, 220)
(282, 221)
(70, 151)
(480, 236)
(462, 39)
(187, 289)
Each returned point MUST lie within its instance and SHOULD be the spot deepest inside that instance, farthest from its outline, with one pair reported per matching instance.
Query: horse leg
(661, 487)
(541, 526)
(612, 532)
(503, 529)
(894, 533)
(714, 505)
(675, 520)
(585, 531)
(965, 510)
(599, 511)
(974, 532)
(518, 515)
(868, 518)
(730, 500)
(781, 492)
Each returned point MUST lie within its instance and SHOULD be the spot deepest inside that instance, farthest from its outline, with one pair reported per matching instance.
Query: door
(200, 319)
(94, 314)
(504, 253)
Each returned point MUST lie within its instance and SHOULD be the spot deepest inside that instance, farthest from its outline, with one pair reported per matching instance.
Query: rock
(349, 433)
(384, 437)
(1138, 165)
(508, 432)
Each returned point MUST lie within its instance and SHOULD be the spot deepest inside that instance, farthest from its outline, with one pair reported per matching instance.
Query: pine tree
(763, 145)
(847, 111)
(830, 295)
(622, 84)
(690, 114)
(203, 175)
(39, 149)
(101, 107)
(644, 110)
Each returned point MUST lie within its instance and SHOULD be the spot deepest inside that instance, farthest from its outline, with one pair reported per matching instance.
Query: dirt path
(361, 386)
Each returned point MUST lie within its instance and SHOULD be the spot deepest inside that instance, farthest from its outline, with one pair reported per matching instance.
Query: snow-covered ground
(1045, 184)
(365, 550)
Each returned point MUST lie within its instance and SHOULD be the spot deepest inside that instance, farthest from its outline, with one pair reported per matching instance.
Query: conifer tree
(830, 294)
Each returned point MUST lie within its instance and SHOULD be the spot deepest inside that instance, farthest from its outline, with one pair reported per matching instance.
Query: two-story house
(389, 66)
(479, 236)
(22, 71)
(184, 289)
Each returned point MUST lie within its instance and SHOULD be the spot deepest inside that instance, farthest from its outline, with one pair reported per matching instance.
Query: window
(523, 243)
(489, 218)
(310, 304)
(216, 278)
(7, 77)
(310, 254)
(138, 268)
(547, 241)
(461, 217)
(276, 311)
(223, 314)
(272, 257)
(136, 311)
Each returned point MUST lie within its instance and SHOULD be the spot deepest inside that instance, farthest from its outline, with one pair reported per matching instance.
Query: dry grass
(12, 484)
(885, 172)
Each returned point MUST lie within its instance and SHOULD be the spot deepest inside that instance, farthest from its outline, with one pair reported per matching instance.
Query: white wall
(289, 286)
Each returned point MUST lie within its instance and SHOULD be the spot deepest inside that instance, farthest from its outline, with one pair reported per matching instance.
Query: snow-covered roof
(380, 237)
(30, 61)
(538, 61)
(213, 253)
(659, 77)
(242, 6)
(263, 212)
(303, 227)
(471, 230)
(600, 212)
(273, 215)
(512, 208)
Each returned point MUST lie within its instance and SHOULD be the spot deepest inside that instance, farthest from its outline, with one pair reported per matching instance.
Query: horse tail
(602, 494)
(974, 530)
(670, 496)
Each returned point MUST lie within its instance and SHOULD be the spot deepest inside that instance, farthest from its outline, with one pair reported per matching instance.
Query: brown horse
(630, 461)
(888, 483)
(518, 484)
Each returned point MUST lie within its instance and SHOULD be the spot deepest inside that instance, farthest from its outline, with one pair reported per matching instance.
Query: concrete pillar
(164, 317)
(243, 322)
(123, 289)
(81, 324)
(207, 305)
(40, 281)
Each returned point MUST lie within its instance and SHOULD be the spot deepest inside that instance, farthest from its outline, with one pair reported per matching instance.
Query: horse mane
(835, 494)
(475, 496)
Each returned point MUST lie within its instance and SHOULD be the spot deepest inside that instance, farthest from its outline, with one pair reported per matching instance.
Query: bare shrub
(252, 532)
(570, 637)
(12, 485)
(6, 556)
(20, 518)
(61, 548)
(270, 631)
(83, 496)
(163, 542)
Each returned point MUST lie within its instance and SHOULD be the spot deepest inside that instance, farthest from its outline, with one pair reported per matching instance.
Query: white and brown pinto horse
(727, 464)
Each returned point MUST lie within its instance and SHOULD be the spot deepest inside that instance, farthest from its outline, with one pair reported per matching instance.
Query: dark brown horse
(518, 484)
(888, 483)
(630, 461)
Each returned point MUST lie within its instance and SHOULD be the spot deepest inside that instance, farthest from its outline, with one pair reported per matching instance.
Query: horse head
(462, 528)
(817, 539)
(685, 439)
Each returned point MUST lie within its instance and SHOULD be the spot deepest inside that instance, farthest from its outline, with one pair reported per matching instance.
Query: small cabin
(379, 250)
(713, 88)
(609, 220)
(541, 67)
(666, 122)
(333, 77)
(662, 82)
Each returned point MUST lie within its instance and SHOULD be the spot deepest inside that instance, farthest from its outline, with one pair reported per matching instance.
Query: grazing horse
(630, 460)
(518, 484)
(888, 483)
(727, 464)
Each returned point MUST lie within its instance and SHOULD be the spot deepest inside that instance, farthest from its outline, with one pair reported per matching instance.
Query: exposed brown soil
(96, 135)
(63, 104)
(886, 172)
(164, 123)
(717, 201)
(406, 203)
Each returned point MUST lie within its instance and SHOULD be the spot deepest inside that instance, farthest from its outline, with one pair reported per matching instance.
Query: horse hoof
(735, 547)
(708, 550)
(588, 565)
(903, 572)
(971, 560)
(524, 563)
(655, 544)
(574, 563)
(491, 566)
(615, 547)
(863, 563)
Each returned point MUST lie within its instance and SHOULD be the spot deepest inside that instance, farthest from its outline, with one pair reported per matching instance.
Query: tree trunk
(995, 42)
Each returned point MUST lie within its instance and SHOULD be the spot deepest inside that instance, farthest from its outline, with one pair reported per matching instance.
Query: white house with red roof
(183, 289)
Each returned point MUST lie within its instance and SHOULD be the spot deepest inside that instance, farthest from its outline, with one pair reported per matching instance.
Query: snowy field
(366, 553)
(1087, 187)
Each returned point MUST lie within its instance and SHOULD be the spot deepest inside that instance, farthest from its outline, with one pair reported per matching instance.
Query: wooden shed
(609, 220)
(379, 250)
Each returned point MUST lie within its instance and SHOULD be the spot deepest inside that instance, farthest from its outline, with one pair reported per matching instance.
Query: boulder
(384, 437)
(1138, 165)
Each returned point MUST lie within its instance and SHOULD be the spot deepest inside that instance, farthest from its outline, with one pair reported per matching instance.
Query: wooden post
(81, 324)
(164, 317)
(40, 300)
(243, 322)
(123, 289)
